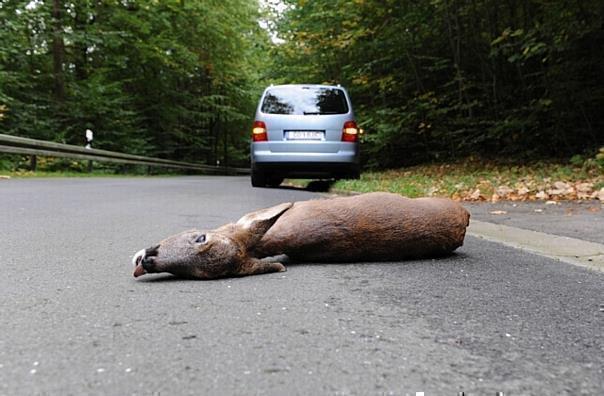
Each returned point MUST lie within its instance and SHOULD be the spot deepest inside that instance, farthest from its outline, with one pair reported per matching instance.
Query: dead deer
(367, 227)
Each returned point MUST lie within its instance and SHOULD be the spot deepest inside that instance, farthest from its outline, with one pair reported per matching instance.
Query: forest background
(431, 80)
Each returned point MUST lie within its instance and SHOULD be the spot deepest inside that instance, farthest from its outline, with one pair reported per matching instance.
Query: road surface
(74, 320)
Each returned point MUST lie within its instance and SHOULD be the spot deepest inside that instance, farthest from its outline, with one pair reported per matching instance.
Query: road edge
(566, 249)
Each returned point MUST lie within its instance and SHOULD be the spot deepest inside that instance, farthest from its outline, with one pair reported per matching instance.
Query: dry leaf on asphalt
(498, 212)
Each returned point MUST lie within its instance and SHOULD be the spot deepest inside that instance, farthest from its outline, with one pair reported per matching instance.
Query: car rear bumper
(327, 152)
(334, 159)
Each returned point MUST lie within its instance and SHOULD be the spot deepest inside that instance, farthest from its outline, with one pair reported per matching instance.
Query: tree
(441, 79)
(174, 78)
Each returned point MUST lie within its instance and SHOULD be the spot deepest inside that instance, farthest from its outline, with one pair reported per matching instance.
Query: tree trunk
(81, 46)
(455, 43)
(58, 51)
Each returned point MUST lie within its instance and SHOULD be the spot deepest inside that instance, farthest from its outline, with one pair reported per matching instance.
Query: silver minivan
(304, 131)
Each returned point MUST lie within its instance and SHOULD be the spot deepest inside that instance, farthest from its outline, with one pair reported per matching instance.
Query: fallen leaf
(542, 195)
(555, 192)
(504, 190)
(561, 188)
(551, 203)
(475, 196)
(539, 210)
(431, 191)
(498, 212)
(584, 187)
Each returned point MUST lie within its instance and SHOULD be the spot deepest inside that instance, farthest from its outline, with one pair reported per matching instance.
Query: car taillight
(259, 132)
(350, 132)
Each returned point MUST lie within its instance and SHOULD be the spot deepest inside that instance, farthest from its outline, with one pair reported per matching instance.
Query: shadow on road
(444, 259)
(313, 186)
(161, 278)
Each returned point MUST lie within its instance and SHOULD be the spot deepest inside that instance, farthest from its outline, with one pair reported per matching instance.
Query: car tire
(258, 179)
(274, 181)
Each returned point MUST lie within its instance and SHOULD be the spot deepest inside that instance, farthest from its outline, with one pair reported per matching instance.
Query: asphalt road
(576, 219)
(74, 320)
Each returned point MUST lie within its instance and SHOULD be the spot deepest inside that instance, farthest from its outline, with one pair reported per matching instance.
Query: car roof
(306, 85)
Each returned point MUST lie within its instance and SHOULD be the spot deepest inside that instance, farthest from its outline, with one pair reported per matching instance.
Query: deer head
(222, 252)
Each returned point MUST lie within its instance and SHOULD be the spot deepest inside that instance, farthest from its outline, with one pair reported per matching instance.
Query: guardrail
(19, 145)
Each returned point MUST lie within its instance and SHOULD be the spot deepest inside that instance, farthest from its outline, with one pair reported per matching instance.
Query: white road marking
(569, 250)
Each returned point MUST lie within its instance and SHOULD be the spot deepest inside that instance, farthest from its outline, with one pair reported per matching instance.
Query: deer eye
(201, 239)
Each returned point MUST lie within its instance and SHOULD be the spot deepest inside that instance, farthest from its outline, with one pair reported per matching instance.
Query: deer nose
(149, 258)
(147, 263)
(143, 255)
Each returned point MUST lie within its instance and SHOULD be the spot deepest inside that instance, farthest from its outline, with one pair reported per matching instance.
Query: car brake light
(350, 132)
(259, 132)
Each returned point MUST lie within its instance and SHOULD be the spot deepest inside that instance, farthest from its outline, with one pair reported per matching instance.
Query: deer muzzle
(143, 261)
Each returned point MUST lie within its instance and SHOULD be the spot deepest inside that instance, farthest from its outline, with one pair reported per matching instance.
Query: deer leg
(255, 266)
(280, 258)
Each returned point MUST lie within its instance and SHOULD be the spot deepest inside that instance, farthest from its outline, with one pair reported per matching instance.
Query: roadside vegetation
(479, 180)
(18, 166)
(25, 174)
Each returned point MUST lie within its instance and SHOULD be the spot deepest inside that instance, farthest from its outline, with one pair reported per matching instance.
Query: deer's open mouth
(139, 270)
(144, 261)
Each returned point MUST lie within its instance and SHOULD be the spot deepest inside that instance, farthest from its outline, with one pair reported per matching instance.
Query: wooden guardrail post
(33, 163)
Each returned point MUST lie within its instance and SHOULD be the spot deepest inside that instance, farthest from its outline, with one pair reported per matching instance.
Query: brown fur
(368, 227)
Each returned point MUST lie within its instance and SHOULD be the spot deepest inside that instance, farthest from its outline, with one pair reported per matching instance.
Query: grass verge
(44, 174)
(483, 181)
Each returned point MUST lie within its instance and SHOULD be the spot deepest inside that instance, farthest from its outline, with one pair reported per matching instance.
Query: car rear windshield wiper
(320, 112)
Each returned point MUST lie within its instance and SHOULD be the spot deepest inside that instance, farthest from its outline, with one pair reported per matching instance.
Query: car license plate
(304, 135)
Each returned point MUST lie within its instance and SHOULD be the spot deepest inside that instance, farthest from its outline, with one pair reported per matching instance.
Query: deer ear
(257, 223)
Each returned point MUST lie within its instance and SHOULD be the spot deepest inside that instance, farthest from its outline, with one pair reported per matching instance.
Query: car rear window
(301, 100)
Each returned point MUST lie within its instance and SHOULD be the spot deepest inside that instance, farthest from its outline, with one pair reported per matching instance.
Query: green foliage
(440, 79)
(177, 78)
(6, 163)
(577, 160)
(430, 79)
(600, 157)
